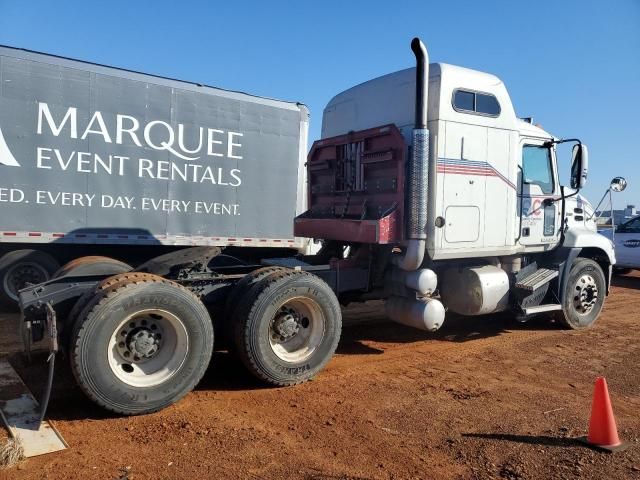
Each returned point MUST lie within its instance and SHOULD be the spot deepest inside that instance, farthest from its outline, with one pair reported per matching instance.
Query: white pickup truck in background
(626, 239)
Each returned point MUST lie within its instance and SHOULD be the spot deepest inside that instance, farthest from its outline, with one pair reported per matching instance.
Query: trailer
(122, 167)
(425, 191)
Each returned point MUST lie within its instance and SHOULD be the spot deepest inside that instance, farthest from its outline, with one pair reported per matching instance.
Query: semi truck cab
(483, 208)
(497, 181)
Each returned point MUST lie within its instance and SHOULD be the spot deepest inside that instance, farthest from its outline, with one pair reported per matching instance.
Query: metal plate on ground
(21, 412)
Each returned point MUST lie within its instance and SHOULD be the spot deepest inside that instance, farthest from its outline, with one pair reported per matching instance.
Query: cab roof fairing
(391, 99)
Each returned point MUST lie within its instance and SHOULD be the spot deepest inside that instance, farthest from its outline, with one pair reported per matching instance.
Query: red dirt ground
(481, 398)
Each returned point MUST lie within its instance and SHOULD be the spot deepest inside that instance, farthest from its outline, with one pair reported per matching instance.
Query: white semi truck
(425, 190)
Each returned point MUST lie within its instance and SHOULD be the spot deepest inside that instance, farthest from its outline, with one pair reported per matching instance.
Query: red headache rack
(356, 188)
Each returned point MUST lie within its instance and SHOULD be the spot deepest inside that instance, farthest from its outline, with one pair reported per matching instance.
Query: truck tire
(109, 283)
(584, 295)
(245, 284)
(287, 327)
(21, 267)
(240, 290)
(141, 346)
(93, 265)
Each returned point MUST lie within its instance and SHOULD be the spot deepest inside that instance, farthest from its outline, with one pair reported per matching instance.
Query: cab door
(627, 244)
(537, 189)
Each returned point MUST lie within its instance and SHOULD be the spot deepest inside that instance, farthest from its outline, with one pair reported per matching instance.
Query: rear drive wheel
(20, 268)
(232, 304)
(141, 346)
(245, 284)
(287, 327)
(93, 265)
(109, 283)
(584, 295)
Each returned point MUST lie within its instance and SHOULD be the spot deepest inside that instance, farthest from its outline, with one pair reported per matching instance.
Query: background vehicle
(102, 162)
(609, 226)
(626, 240)
(426, 191)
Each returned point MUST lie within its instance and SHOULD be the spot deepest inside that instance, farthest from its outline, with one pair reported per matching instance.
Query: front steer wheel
(584, 295)
(141, 346)
(287, 327)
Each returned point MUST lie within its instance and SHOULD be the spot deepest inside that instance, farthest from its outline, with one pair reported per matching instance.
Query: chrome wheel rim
(148, 348)
(585, 295)
(297, 329)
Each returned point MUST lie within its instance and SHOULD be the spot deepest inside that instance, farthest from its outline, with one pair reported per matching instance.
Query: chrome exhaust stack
(410, 284)
(418, 169)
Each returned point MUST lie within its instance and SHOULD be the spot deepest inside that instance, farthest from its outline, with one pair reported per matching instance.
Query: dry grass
(11, 452)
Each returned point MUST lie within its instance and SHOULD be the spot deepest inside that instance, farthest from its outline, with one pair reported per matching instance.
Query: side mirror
(579, 166)
(618, 184)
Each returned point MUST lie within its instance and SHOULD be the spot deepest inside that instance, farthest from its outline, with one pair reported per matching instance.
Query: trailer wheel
(287, 327)
(141, 346)
(584, 295)
(21, 267)
(93, 265)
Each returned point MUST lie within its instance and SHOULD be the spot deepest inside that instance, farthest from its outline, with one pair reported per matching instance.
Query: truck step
(536, 279)
(542, 308)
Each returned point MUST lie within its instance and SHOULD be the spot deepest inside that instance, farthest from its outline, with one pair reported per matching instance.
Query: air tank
(424, 314)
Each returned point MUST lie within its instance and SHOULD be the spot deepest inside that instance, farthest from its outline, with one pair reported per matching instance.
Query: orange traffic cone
(603, 432)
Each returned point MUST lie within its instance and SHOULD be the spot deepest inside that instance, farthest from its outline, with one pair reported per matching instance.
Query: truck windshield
(536, 167)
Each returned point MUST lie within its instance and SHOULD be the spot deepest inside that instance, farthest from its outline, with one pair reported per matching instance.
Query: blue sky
(573, 65)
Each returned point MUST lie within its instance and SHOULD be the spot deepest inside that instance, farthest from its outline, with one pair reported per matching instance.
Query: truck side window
(466, 101)
(536, 167)
(487, 104)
